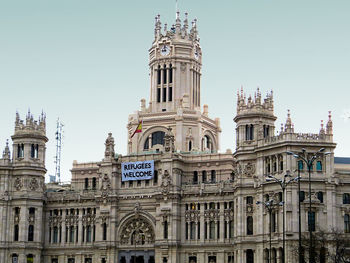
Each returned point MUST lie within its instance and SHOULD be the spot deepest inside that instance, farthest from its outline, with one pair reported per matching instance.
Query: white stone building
(200, 206)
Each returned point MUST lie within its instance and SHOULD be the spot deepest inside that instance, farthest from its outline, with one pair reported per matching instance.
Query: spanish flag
(138, 129)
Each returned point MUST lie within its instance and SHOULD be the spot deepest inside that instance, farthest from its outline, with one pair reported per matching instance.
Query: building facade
(200, 205)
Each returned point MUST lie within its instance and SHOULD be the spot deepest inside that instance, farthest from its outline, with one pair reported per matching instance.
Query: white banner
(133, 171)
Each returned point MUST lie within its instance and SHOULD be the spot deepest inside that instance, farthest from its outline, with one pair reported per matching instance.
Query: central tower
(175, 76)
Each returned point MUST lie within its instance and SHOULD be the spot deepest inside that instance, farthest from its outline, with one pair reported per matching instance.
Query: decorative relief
(211, 214)
(88, 219)
(137, 232)
(229, 214)
(183, 66)
(249, 208)
(250, 169)
(18, 184)
(33, 184)
(192, 215)
(71, 220)
(55, 220)
(166, 183)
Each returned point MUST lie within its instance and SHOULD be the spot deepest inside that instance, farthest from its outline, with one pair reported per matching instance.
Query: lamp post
(269, 205)
(283, 184)
(309, 160)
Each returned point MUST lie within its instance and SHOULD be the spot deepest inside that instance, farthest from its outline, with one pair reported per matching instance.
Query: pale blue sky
(86, 62)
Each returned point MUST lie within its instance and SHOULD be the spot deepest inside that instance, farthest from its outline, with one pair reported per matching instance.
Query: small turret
(289, 127)
(6, 153)
(29, 140)
(329, 127)
(322, 130)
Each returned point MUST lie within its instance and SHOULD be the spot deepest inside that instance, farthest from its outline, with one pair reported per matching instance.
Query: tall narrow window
(94, 183)
(273, 222)
(31, 233)
(158, 94)
(104, 235)
(301, 196)
(198, 230)
(93, 233)
(346, 223)
(171, 73)
(251, 132)
(225, 229)
(30, 258)
(170, 95)
(346, 198)
(164, 74)
(88, 233)
(195, 177)
(213, 176)
(218, 229)
(20, 150)
(190, 146)
(186, 226)
(164, 94)
(71, 234)
(16, 232)
(192, 230)
(55, 234)
(86, 183)
(249, 200)
(249, 225)
(158, 75)
(320, 196)
(155, 178)
(311, 221)
(165, 230)
(250, 256)
(204, 176)
(34, 151)
(231, 228)
(211, 230)
(205, 230)
(319, 166)
(300, 165)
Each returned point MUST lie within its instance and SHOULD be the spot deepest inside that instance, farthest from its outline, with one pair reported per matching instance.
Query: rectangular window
(249, 200)
(211, 230)
(347, 223)
(158, 76)
(192, 230)
(86, 183)
(186, 226)
(199, 230)
(311, 221)
(165, 231)
(346, 198)
(164, 94)
(301, 196)
(170, 95)
(231, 226)
(205, 230)
(218, 230)
(170, 74)
(273, 222)
(320, 196)
(94, 183)
(16, 232)
(158, 94)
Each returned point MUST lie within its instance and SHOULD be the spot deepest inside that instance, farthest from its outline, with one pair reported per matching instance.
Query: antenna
(59, 138)
(177, 9)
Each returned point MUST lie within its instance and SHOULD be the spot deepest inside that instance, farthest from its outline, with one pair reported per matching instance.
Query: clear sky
(86, 62)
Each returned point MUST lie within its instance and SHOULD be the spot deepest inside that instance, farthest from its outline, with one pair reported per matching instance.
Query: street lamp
(283, 184)
(269, 205)
(309, 160)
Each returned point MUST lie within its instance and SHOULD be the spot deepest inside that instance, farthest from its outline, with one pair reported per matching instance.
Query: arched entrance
(137, 241)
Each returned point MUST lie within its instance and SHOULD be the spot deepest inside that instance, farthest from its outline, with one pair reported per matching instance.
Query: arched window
(94, 183)
(16, 233)
(346, 223)
(274, 255)
(31, 233)
(319, 166)
(14, 258)
(34, 151)
(195, 177)
(104, 235)
(249, 225)
(30, 258)
(249, 256)
(158, 138)
(86, 183)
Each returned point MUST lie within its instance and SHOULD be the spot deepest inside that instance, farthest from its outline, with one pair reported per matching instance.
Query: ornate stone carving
(229, 214)
(250, 169)
(33, 184)
(166, 183)
(211, 214)
(88, 219)
(137, 232)
(55, 220)
(183, 66)
(18, 184)
(169, 145)
(71, 220)
(192, 216)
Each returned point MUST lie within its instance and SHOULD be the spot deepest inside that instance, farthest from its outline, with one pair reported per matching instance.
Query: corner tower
(254, 120)
(175, 61)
